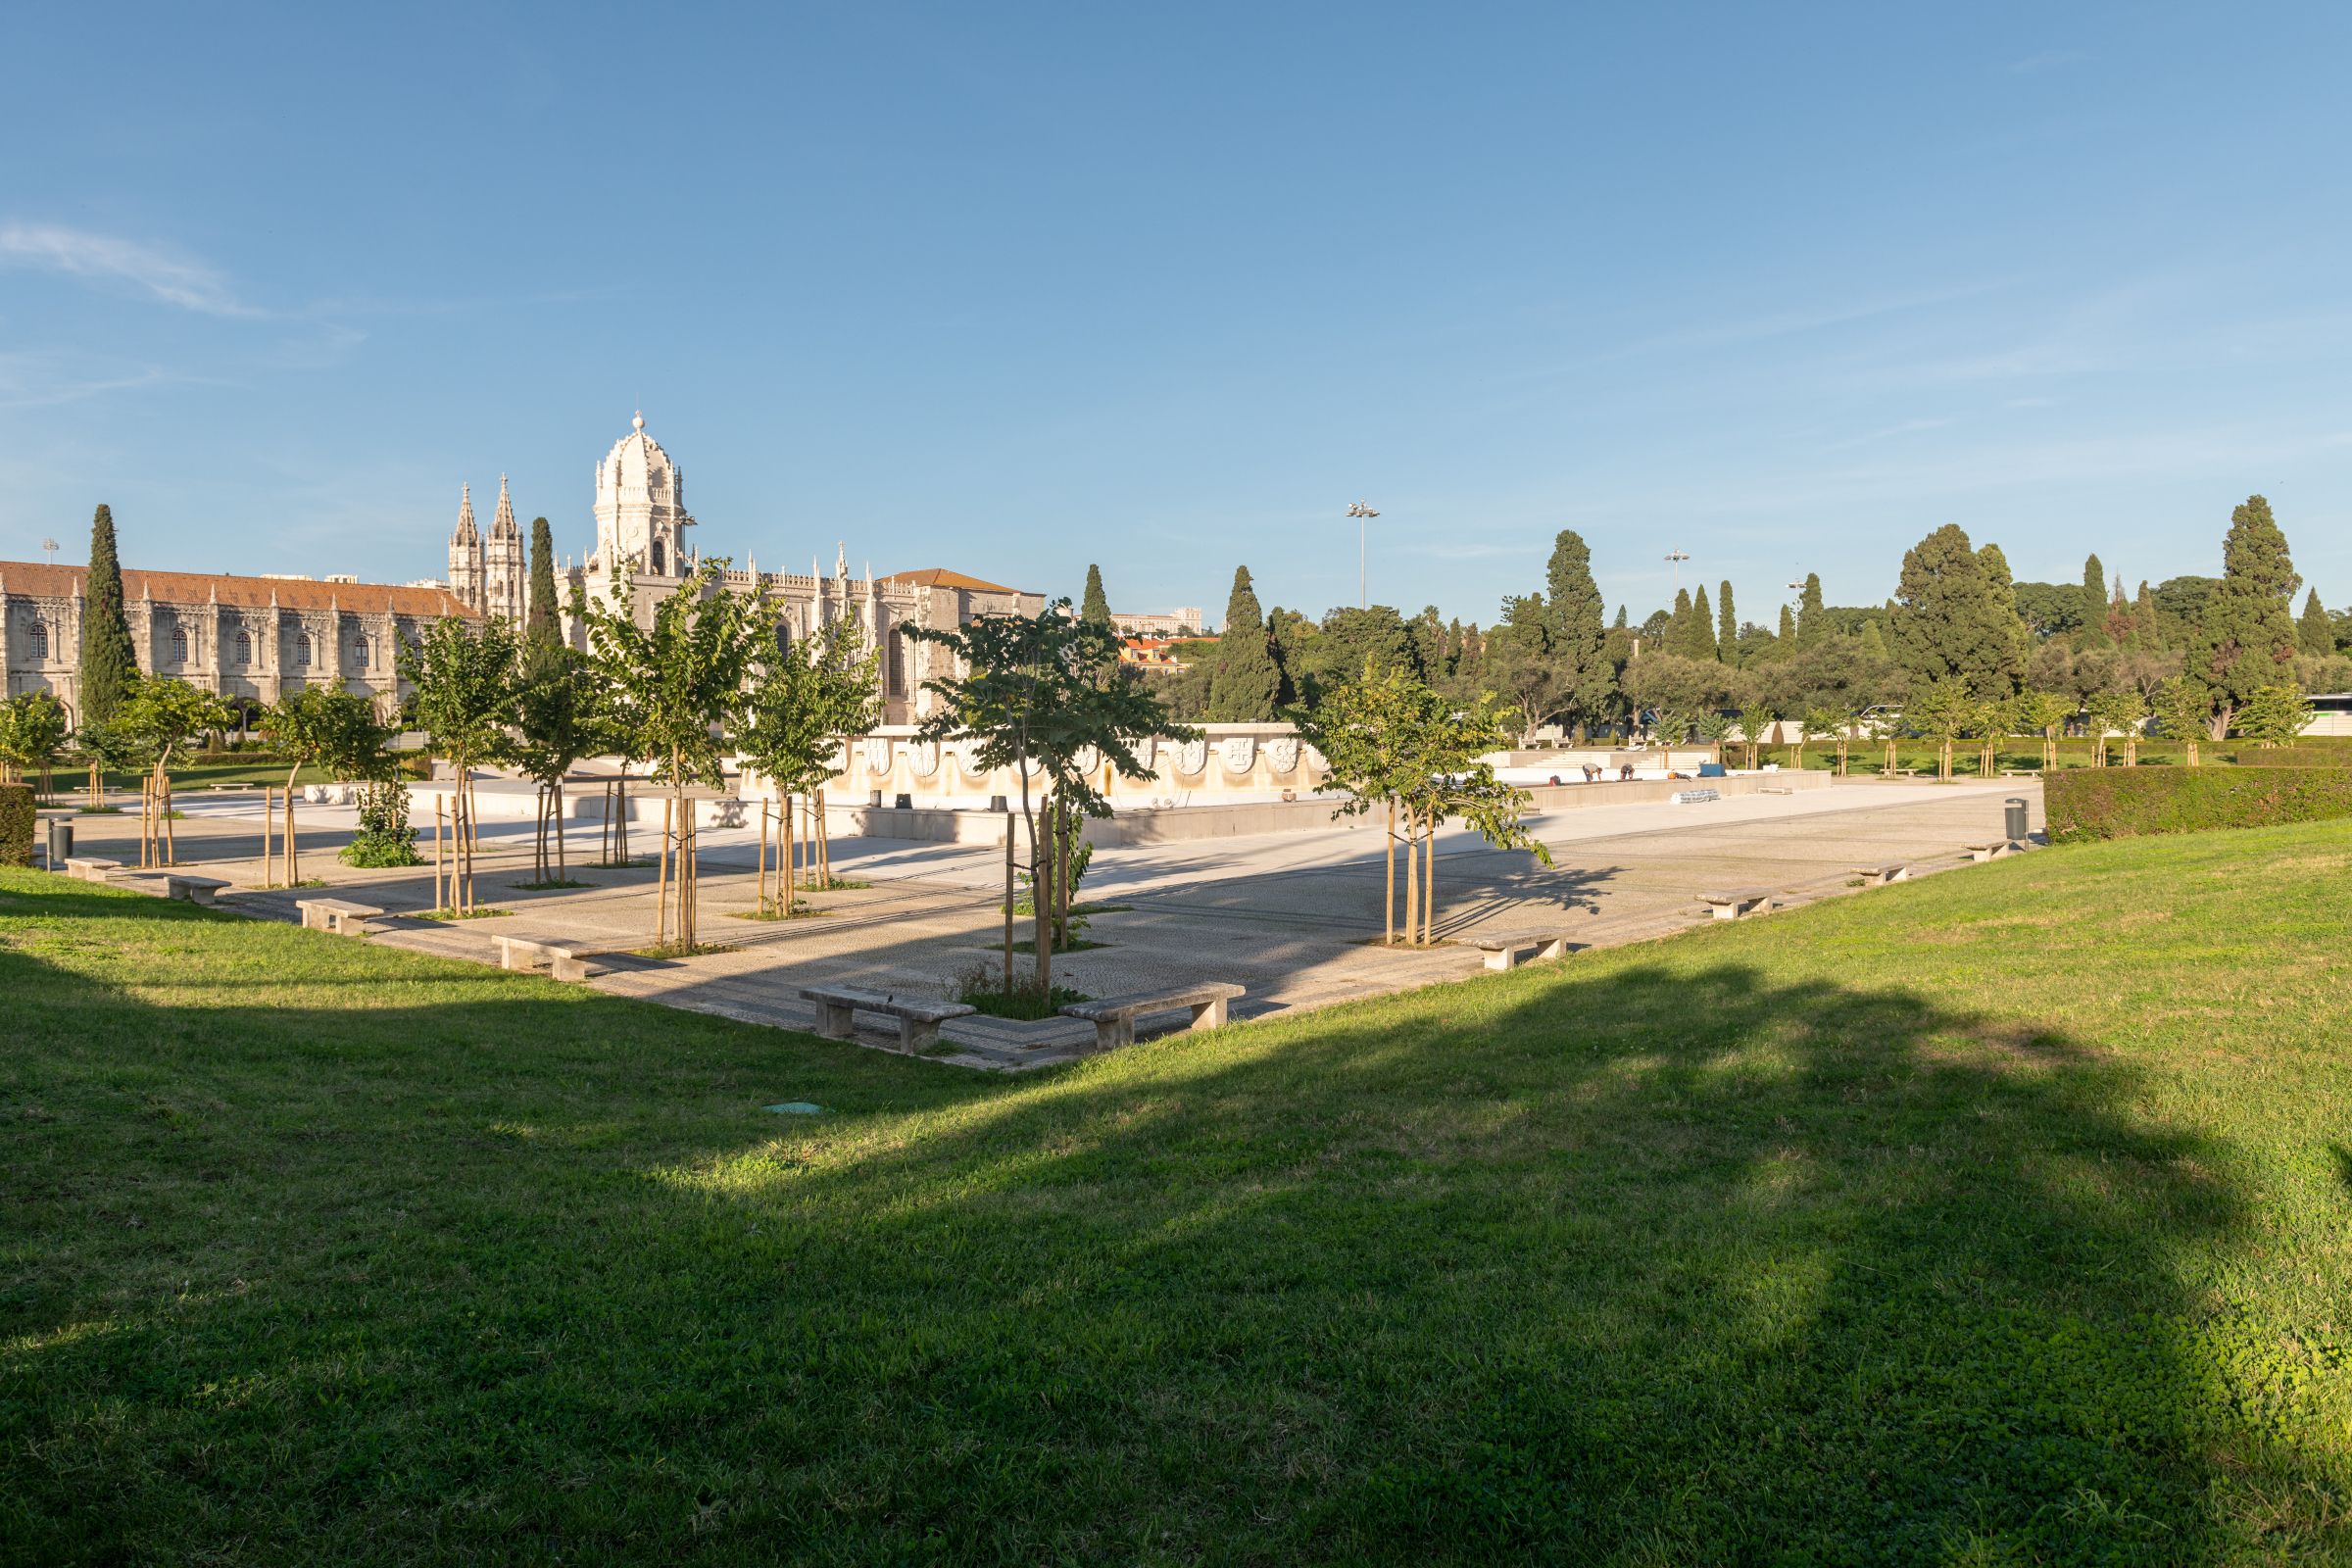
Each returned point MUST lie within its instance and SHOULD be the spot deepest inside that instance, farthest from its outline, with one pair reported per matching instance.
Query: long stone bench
(919, 1017)
(1878, 876)
(90, 869)
(1114, 1017)
(565, 957)
(1994, 849)
(193, 889)
(1501, 948)
(1731, 903)
(339, 915)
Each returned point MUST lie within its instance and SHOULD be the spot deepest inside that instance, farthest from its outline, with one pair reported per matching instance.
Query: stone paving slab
(1294, 917)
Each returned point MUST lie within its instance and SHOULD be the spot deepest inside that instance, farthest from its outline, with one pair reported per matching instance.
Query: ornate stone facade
(243, 637)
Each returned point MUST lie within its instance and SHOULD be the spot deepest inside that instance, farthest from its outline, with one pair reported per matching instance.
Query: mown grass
(2002, 1216)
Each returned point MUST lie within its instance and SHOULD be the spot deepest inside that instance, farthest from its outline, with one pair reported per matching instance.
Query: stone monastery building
(259, 637)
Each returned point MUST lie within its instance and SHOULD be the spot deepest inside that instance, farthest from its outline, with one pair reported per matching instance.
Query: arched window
(179, 644)
(658, 569)
(898, 661)
(244, 649)
(302, 650)
(40, 640)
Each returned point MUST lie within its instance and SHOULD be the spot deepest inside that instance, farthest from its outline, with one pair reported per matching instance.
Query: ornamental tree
(334, 731)
(674, 686)
(32, 731)
(465, 675)
(1036, 698)
(2274, 716)
(806, 699)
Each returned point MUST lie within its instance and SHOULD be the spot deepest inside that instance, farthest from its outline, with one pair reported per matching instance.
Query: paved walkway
(1294, 917)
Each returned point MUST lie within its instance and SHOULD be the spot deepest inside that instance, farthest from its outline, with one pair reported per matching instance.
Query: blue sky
(1011, 289)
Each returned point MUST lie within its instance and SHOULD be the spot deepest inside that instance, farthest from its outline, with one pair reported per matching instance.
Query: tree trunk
(784, 866)
(562, 865)
(1388, 898)
(1412, 877)
(823, 831)
(662, 882)
(293, 877)
(1429, 880)
(1009, 852)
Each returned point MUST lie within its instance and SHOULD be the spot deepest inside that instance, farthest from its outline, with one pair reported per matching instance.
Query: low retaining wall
(1184, 823)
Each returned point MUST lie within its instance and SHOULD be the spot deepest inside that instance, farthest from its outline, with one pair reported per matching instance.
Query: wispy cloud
(41, 381)
(78, 253)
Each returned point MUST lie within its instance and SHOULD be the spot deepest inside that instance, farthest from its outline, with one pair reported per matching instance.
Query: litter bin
(2015, 808)
(905, 803)
(996, 803)
(873, 797)
(61, 842)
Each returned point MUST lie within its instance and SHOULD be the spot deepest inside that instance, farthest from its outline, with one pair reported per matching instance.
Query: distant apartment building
(1157, 623)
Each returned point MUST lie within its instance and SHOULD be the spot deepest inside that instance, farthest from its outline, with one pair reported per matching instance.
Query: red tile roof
(43, 580)
(942, 577)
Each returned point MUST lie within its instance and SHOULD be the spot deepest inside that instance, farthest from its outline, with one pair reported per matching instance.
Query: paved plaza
(1294, 917)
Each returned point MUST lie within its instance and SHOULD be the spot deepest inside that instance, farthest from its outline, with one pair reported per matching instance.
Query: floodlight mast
(1361, 513)
(1678, 556)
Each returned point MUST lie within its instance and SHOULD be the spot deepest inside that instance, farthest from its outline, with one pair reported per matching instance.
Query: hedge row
(15, 824)
(2120, 802)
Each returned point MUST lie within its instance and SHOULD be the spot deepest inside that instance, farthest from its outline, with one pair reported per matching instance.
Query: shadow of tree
(1708, 1262)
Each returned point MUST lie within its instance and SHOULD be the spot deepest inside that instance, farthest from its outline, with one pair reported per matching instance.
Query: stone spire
(501, 524)
(467, 534)
(841, 561)
(466, 554)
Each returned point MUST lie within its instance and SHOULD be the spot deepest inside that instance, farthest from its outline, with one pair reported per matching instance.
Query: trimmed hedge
(2291, 757)
(2120, 802)
(15, 824)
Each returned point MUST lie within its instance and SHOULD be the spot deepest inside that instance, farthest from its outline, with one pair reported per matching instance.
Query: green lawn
(1999, 1217)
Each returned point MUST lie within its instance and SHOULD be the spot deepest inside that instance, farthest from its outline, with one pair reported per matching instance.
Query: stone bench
(1501, 948)
(1992, 850)
(1734, 903)
(1693, 797)
(919, 1017)
(1114, 1017)
(344, 920)
(193, 889)
(565, 957)
(90, 869)
(1878, 876)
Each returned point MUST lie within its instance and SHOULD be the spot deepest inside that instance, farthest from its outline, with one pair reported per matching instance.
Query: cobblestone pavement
(1294, 917)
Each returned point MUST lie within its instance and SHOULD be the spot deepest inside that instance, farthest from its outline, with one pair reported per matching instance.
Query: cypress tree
(1812, 627)
(1246, 683)
(540, 626)
(1620, 618)
(1787, 635)
(1697, 634)
(1095, 607)
(1726, 624)
(2144, 624)
(108, 666)
(1874, 646)
(1575, 639)
(2095, 593)
(2246, 636)
(2315, 634)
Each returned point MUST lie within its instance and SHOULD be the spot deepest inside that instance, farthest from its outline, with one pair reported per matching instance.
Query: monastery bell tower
(641, 517)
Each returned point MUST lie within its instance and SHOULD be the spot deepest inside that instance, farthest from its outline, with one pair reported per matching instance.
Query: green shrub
(2117, 803)
(2291, 757)
(15, 824)
(384, 837)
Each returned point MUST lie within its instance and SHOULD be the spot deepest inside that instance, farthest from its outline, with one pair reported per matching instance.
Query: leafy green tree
(2041, 713)
(1817, 724)
(334, 731)
(2274, 716)
(1095, 605)
(1693, 635)
(1785, 638)
(1518, 665)
(1391, 739)
(557, 720)
(807, 698)
(674, 686)
(1035, 701)
(108, 666)
(1956, 616)
(32, 731)
(542, 624)
(2110, 713)
(2315, 633)
(162, 714)
(1726, 624)
(467, 677)
(2184, 709)
(1755, 720)
(2245, 638)
(1245, 685)
(1874, 644)
(1943, 710)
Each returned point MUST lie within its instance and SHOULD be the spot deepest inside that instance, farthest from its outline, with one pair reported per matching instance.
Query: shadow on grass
(1695, 1265)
